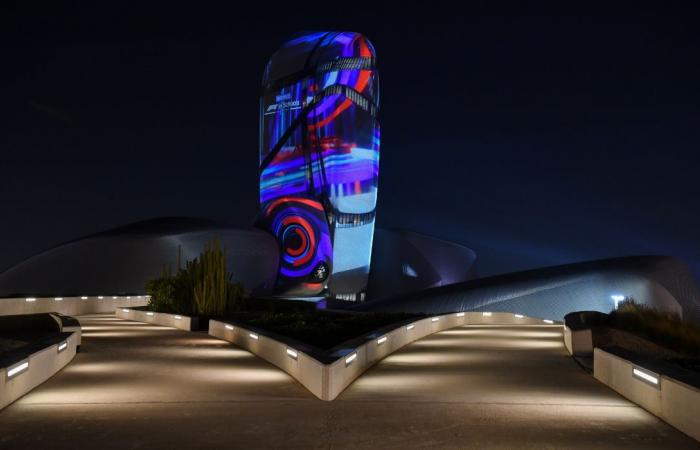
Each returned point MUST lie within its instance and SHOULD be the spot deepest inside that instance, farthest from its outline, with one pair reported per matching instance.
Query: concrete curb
(70, 306)
(181, 322)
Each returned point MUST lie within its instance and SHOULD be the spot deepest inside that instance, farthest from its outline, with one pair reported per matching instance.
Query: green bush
(203, 287)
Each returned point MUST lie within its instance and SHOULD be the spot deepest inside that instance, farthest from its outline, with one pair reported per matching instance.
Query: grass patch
(663, 328)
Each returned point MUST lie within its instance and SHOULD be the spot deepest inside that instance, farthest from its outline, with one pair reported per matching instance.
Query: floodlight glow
(350, 359)
(548, 321)
(100, 297)
(519, 316)
(62, 346)
(617, 299)
(381, 340)
(30, 299)
(292, 353)
(486, 314)
(229, 327)
(410, 327)
(17, 369)
(460, 314)
(645, 376)
(83, 298)
(58, 299)
(149, 313)
(178, 317)
(253, 336)
(434, 319)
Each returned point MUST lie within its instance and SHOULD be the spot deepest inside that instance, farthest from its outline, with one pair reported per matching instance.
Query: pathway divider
(179, 321)
(71, 306)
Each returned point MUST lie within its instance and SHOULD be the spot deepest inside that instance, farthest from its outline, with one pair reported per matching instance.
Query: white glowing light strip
(350, 358)
(149, 313)
(83, 298)
(381, 340)
(410, 327)
(253, 336)
(229, 327)
(548, 321)
(100, 297)
(178, 317)
(30, 299)
(434, 319)
(292, 353)
(486, 314)
(460, 314)
(62, 346)
(17, 369)
(125, 310)
(645, 376)
(519, 316)
(58, 299)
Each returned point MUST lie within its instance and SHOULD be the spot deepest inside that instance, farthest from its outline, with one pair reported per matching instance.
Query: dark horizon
(535, 136)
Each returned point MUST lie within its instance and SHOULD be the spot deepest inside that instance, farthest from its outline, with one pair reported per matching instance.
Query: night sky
(534, 136)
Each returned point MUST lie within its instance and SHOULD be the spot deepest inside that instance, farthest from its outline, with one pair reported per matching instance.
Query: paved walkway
(138, 386)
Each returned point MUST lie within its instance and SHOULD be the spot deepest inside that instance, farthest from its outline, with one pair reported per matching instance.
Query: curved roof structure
(661, 282)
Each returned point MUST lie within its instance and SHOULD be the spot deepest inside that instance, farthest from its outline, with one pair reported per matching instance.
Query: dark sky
(536, 136)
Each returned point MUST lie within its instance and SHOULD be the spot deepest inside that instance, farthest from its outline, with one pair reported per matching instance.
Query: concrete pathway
(139, 386)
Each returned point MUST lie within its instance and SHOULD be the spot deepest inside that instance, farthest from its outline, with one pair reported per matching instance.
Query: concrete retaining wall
(578, 342)
(42, 365)
(71, 306)
(327, 381)
(671, 400)
(167, 320)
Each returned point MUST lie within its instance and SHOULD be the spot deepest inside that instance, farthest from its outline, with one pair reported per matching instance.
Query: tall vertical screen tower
(319, 162)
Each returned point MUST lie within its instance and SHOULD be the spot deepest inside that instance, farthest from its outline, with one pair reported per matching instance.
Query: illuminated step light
(11, 372)
(645, 376)
(292, 353)
(125, 310)
(434, 319)
(519, 316)
(350, 359)
(83, 298)
(113, 297)
(381, 340)
(253, 336)
(229, 327)
(548, 321)
(178, 317)
(410, 327)
(460, 314)
(149, 313)
(30, 299)
(58, 299)
(62, 346)
(100, 297)
(128, 297)
(486, 314)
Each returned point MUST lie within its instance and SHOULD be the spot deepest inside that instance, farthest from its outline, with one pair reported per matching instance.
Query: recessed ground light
(114, 296)
(58, 299)
(125, 310)
(178, 317)
(128, 297)
(410, 327)
(229, 327)
(62, 346)
(645, 376)
(518, 316)
(381, 340)
(434, 319)
(149, 313)
(253, 336)
(292, 353)
(350, 359)
(460, 314)
(11, 372)
(30, 299)
(548, 321)
(100, 297)
(486, 314)
(83, 298)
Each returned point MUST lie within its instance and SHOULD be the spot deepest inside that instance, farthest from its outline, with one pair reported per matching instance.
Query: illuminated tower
(319, 162)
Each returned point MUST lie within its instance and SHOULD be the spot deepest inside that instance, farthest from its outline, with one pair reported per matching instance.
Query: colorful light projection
(319, 161)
